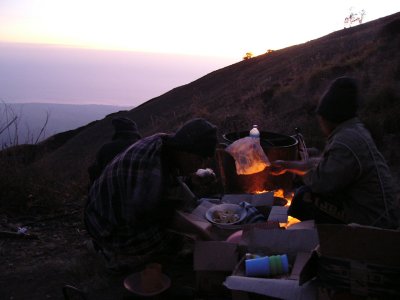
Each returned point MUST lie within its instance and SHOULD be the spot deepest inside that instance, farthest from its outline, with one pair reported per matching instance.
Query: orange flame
(280, 193)
(287, 196)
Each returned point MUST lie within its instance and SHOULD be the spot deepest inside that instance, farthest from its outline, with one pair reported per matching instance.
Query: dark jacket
(121, 141)
(355, 176)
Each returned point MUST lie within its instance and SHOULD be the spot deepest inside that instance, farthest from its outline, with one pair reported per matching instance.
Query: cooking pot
(276, 146)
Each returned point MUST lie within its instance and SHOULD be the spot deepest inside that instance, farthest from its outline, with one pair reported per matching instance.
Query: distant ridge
(61, 117)
(278, 91)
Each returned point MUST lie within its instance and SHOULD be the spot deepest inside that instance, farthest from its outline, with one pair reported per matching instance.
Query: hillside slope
(278, 91)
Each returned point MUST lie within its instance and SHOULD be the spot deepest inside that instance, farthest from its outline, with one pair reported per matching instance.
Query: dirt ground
(40, 268)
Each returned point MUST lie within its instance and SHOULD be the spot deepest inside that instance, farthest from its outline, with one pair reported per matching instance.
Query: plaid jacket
(125, 204)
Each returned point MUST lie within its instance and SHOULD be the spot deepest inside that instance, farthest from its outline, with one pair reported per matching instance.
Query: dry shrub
(25, 190)
(380, 113)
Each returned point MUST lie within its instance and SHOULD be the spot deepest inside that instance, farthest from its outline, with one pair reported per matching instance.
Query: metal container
(276, 147)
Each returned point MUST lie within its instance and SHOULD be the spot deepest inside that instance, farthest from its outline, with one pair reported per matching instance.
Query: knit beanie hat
(124, 124)
(125, 128)
(196, 136)
(340, 102)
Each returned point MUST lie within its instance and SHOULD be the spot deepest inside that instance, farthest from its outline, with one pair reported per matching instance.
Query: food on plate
(225, 216)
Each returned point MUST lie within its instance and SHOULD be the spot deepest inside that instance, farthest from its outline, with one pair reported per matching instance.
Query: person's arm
(298, 167)
(313, 152)
(339, 168)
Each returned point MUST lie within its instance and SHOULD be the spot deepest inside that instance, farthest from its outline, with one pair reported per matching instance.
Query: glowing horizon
(223, 28)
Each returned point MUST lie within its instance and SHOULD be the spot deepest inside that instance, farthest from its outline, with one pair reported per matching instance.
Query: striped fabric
(253, 214)
(125, 208)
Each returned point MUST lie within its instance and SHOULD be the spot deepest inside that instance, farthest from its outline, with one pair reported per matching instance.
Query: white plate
(237, 209)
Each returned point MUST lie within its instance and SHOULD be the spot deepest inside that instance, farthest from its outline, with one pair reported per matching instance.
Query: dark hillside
(43, 187)
(278, 91)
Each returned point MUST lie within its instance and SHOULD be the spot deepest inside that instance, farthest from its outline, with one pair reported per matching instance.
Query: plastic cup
(279, 265)
(274, 264)
(258, 267)
(267, 266)
(285, 264)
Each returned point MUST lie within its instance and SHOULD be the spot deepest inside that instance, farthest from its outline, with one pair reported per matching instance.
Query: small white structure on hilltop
(354, 18)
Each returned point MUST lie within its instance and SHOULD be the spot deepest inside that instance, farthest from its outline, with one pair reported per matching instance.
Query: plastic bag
(249, 156)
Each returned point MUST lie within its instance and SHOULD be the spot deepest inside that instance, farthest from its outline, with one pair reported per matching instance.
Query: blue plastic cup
(267, 266)
(257, 267)
(285, 263)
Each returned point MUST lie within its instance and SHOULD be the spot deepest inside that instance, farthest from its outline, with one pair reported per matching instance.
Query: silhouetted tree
(248, 55)
(353, 18)
(10, 128)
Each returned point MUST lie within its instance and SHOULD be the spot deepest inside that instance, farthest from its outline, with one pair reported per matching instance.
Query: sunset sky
(152, 46)
(227, 28)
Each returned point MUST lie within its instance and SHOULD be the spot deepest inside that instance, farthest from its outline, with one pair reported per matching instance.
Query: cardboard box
(297, 244)
(282, 287)
(191, 224)
(264, 202)
(278, 214)
(326, 294)
(213, 262)
(358, 260)
(257, 200)
(196, 221)
(215, 259)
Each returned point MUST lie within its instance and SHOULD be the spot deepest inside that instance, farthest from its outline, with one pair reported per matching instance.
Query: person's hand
(203, 182)
(203, 177)
(278, 167)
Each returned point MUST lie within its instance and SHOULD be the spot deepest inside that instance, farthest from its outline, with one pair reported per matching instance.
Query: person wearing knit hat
(132, 203)
(125, 126)
(351, 182)
(125, 134)
(197, 136)
(341, 101)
